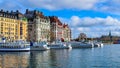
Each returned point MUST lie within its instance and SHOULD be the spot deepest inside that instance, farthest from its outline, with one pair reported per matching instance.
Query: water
(14, 60)
(105, 57)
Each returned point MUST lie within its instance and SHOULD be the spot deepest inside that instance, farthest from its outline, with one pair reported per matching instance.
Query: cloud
(11, 5)
(91, 22)
(86, 24)
(95, 5)
(94, 27)
(81, 29)
(75, 20)
(108, 6)
(62, 4)
(51, 4)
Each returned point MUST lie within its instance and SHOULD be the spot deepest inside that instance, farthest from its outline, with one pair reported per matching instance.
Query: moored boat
(39, 46)
(98, 44)
(17, 46)
(75, 44)
(60, 45)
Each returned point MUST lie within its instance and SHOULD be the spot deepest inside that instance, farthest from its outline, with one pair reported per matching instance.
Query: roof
(13, 15)
(55, 20)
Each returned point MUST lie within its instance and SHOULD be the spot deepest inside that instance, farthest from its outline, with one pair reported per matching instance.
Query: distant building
(109, 38)
(38, 26)
(13, 25)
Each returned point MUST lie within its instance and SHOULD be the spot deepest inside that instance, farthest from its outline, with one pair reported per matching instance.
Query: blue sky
(93, 17)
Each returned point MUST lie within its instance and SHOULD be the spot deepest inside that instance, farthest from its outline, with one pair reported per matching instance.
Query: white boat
(17, 46)
(39, 46)
(75, 44)
(60, 45)
(98, 44)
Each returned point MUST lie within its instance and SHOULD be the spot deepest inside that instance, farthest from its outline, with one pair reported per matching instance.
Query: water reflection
(106, 57)
(49, 59)
(38, 59)
(14, 59)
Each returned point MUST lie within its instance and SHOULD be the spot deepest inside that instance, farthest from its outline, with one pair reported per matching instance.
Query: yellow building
(12, 27)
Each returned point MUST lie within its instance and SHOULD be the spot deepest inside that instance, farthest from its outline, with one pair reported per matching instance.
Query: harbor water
(107, 56)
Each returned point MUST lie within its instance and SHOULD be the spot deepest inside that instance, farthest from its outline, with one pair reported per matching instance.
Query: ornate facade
(59, 30)
(32, 26)
(66, 33)
(38, 26)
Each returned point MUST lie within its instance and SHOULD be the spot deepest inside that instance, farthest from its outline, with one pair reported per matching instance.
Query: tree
(82, 36)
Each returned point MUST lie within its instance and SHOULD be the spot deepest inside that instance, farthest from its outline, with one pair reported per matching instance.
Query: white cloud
(52, 4)
(94, 27)
(95, 5)
(75, 20)
(81, 29)
(11, 5)
(98, 5)
(112, 21)
(63, 4)
(97, 21)
(109, 6)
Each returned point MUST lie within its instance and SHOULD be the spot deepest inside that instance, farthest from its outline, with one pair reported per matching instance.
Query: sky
(92, 17)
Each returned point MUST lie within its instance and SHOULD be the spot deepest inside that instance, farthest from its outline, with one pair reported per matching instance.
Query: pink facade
(59, 29)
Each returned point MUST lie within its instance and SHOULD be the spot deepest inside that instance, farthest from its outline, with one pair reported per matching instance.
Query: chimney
(35, 12)
(17, 11)
(11, 11)
(7, 11)
(27, 10)
(1, 10)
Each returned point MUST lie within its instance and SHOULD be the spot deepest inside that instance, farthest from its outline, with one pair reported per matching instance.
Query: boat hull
(14, 49)
(38, 48)
(59, 47)
(81, 45)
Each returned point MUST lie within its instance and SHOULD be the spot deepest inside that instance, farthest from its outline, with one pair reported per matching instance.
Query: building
(56, 28)
(59, 30)
(38, 26)
(66, 32)
(110, 38)
(13, 25)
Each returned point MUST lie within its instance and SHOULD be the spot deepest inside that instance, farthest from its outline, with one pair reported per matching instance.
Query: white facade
(38, 26)
(42, 29)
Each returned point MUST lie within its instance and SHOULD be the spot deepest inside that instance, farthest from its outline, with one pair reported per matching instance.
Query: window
(2, 19)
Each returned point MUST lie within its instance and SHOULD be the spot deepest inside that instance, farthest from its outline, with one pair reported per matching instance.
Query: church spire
(109, 33)
(110, 36)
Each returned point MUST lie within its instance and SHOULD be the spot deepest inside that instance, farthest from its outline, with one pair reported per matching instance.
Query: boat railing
(39, 43)
(15, 45)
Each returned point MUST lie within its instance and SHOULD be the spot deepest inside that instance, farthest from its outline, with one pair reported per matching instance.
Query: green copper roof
(24, 19)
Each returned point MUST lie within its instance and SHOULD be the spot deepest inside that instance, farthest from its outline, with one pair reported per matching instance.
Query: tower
(110, 36)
